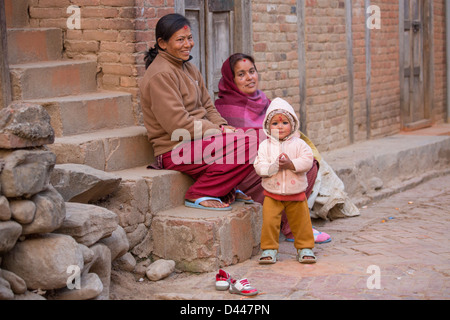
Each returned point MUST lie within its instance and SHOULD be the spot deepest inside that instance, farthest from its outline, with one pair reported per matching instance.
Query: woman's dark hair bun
(150, 55)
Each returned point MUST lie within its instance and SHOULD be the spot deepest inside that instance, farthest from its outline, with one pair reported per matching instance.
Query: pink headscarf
(239, 109)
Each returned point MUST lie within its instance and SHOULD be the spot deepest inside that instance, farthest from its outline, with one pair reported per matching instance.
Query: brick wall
(359, 70)
(326, 73)
(148, 12)
(275, 46)
(385, 82)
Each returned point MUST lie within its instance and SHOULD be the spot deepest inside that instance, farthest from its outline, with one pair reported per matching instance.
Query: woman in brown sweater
(183, 124)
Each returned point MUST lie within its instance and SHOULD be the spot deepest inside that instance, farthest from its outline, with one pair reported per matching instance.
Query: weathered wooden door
(415, 108)
(212, 27)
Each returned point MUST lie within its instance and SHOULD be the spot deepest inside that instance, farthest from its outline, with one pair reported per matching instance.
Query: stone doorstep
(206, 240)
(71, 115)
(107, 150)
(32, 45)
(53, 79)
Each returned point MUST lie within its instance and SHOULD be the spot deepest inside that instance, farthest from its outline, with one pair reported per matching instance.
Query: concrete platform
(378, 168)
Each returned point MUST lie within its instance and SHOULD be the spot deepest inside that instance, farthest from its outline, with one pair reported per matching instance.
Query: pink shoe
(321, 237)
(223, 280)
(243, 287)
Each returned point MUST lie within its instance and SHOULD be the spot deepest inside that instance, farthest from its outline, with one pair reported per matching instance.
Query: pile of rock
(50, 248)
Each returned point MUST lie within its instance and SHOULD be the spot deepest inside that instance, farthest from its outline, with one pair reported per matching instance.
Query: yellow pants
(297, 213)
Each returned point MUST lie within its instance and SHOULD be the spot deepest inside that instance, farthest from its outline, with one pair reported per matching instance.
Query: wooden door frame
(5, 80)
(428, 66)
(242, 31)
(210, 51)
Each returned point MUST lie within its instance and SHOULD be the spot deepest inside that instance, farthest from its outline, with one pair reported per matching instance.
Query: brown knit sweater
(173, 96)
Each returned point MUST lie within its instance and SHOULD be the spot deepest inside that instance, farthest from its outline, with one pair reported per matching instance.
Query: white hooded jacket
(283, 182)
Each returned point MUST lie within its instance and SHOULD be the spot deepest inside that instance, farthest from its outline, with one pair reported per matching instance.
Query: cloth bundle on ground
(328, 199)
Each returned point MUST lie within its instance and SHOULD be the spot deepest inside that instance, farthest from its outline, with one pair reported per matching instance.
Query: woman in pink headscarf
(243, 105)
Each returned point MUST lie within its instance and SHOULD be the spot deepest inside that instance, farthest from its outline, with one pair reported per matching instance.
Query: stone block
(53, 79)
(203, 241)
(108, 150)
(83, 184)
(26, 172)
(42, 261)
(24, 125)
(31, 45)
(85, 113)
(87, 223)
(50, 212)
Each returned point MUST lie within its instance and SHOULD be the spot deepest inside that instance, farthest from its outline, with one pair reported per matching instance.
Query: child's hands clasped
(284, 162)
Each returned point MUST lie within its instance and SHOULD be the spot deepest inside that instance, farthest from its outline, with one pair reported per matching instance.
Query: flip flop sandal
(243, 287)
(197, 204)
(321, 237)
(302, 253)
(272, 254)
(248, 201)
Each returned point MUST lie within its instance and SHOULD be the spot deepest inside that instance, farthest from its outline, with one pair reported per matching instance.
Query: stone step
(107, 150)
(206, 240)
(149, 191)
(34, 45)
(53, 79)
(16, 12)
(71, 115)
(150, 207)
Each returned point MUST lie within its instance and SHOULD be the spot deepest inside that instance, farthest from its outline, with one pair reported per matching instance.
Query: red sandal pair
(224, 281)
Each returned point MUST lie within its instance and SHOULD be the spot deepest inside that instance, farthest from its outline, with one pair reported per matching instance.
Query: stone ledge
(377, 168)
(107, 150)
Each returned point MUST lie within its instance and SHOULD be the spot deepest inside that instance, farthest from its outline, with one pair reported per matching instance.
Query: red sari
(217, 164)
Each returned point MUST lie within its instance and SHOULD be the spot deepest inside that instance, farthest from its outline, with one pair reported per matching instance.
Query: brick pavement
(411, 251)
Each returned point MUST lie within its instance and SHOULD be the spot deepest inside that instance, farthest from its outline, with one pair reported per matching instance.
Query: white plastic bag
(328, 199)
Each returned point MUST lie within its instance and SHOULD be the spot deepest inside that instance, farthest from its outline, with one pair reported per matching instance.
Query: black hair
(236, 57)
(165, 28)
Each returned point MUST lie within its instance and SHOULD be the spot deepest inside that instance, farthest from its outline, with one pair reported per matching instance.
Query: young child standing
(282, 162)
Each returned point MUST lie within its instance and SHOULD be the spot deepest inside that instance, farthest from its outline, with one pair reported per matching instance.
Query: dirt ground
(405, 234)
